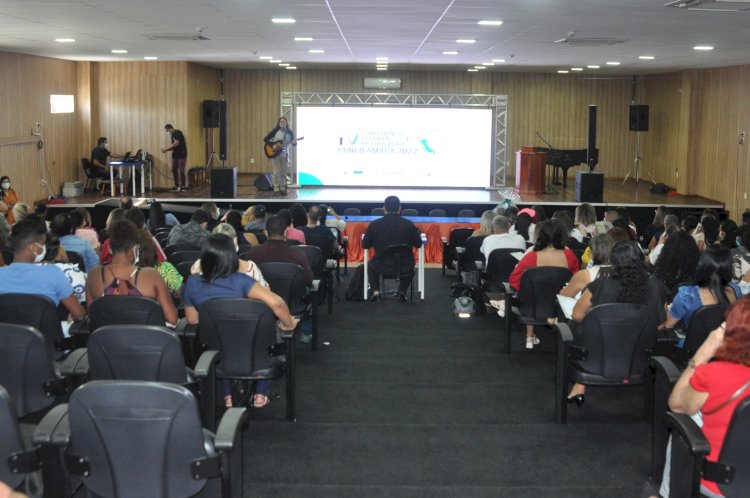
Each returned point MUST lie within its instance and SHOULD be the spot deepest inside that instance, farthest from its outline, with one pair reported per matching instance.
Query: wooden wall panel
(663, 148)
(26, 83)
(202, 84)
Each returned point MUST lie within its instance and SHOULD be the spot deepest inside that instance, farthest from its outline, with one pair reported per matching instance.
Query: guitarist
(280, 138)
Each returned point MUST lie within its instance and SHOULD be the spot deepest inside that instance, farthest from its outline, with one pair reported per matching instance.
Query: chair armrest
(684, 427)
(508, 288)
(315, 285)
(206, 363)
(183, 328)
(81, 327)
(665, 365)
(330, 264)
(460, 250)
(228, 431)
(77, 363)
(479, 265)
(54, 428)
(566, 336)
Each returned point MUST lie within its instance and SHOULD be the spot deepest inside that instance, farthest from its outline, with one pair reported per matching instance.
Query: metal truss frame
(498, 104)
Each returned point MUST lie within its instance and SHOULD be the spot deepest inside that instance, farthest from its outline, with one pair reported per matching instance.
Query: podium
(530, 171)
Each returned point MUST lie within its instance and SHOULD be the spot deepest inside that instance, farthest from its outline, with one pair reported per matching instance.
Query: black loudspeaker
(638, 118)
(222, 129)
(591, 152)
(224, 183)
(211, 113)
(264, 182)
(589, 186)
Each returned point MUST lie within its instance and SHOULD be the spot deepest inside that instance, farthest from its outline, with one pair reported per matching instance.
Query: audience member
(55, 255)
(707, 232)
(123, 277)
(40, 211)
(585, 219)
(600, 228)
(221, 279)
(650, 235)
(677, 261)
(511, 212)
(601, 248)
(741, 258)
(391, 229)
(668, 230)
(728, 234)
(194, 232)
(139, 219)
(627, 282)
(332, 222)
(540, 214)
(501, 238)
(257, 219)
(247, 267)
(719, 368)
(575, 236)
(611, 215)
(292, 233)
(126, 202)
(22, 276)
(712, 284)
(319, 235)
(81, 220)
(618, 234)
(485, 224)
(523, 227)
(9, 197)
(299, 215)
(244, 239)
(62, 226)
(158, 218)
(114, 215)
(212, 210)
(275, 249)
(147, 259)
(690, 223)
(20, 211)
(625, 216)
(549, 250)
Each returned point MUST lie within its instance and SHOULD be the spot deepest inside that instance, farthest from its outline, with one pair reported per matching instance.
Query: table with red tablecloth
(433, 230)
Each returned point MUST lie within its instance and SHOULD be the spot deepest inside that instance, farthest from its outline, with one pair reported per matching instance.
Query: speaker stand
(210, 164)
(638, 163)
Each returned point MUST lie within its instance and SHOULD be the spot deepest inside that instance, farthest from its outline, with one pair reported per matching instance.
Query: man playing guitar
(277, 149)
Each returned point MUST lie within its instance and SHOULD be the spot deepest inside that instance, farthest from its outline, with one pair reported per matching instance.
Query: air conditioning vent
(179, 37)
(569, 41)
(711, 5)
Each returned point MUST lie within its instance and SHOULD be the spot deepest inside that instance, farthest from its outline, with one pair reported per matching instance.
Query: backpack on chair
(356, 289)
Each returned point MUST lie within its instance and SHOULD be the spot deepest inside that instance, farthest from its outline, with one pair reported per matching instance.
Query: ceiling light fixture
(291, 67)
(283, 20)
(302, 38)
(592, 66)
(150, 58)
(284, 64)
(479, 67)
(703, 47)
(613, 63)
(316, 51)
(65, 40)
(275, 61)
(488, 22)
(465, 40)
(562, 71)
(119, 51)
(499, 61)
(472, 70)
(576, 69)
(381, 69)
(381, 59)
(488, 63)
(450, 52)
(265, 57)
(646, 57)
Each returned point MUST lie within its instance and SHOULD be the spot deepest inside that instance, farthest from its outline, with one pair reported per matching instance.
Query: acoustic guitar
(273, 149)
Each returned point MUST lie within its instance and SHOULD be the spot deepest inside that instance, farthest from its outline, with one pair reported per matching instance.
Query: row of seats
(435, 213)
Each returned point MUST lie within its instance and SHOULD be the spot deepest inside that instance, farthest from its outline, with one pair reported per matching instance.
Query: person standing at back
(178, 147)
(389, 230)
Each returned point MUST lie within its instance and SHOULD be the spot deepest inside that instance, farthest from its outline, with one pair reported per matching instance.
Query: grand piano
(562, 159)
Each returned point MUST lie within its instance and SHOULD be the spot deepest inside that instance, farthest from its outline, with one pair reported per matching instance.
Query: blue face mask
(738, 241)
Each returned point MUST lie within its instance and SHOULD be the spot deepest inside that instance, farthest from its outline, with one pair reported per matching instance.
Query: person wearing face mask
(62, 227)
(9, 197)
(178, 146)
(24, 276)
(122, 276)
(99, 156)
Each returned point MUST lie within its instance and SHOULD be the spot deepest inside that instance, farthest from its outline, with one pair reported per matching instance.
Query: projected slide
(393, 146)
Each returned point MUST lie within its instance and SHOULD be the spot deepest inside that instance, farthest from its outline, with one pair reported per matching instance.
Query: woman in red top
(549, 250)
(705, 386)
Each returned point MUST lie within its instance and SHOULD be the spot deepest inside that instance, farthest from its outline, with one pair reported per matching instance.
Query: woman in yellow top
(8, 196)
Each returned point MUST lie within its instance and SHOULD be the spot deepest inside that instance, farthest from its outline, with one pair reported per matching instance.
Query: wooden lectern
(530, 171)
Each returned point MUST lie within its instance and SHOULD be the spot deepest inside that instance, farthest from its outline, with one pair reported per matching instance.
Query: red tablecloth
(433, 252)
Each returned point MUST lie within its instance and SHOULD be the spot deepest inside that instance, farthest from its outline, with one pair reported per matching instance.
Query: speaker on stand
(638, 122)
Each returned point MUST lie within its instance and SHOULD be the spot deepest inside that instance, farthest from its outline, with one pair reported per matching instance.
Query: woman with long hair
(485, 224)
(707, 232)
(220, 279)
(244, 239)
(601, 248)
(728, 234)
(9, 197)
(677, 261)
(549, 250)
(718, 370)
(585, 219)
(712, 284)
(523, 226)
(627, 282)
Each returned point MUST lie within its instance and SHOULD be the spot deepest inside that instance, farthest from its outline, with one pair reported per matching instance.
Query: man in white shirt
(500, 238)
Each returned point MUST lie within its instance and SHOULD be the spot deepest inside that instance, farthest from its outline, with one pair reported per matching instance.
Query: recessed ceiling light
(576, 69)
(465, 40)
(265, 57)
(472, 70)
(275, 61)
(384, 66)
(302, 38)
(65, 40)
(381, 59)
(119, 51)
(562, 71)
(592, 66)
(450, 52)
(613, 63)
(150, 58)
(316, 51)
(284, 64)
(479, 67)
(499, 61)
(381, 68)
(646, 57)
(703, 47)
(283, 20)
(291, 67)
(488, 22)
(488, 63)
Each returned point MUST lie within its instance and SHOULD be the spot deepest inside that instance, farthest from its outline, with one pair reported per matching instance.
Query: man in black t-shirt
(99, 155)
(179, 157)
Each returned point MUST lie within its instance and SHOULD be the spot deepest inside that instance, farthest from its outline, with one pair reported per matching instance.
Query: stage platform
(630, 194)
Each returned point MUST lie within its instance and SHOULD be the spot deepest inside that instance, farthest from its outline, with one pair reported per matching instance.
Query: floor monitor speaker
(589, 186)
(264, 182)
(638, 118)
(224, 183)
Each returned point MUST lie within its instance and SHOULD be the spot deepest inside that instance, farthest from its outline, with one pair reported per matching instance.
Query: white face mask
(5, 185)
(236, 245)
(106, 146)
(39, 257)
(137, 254)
